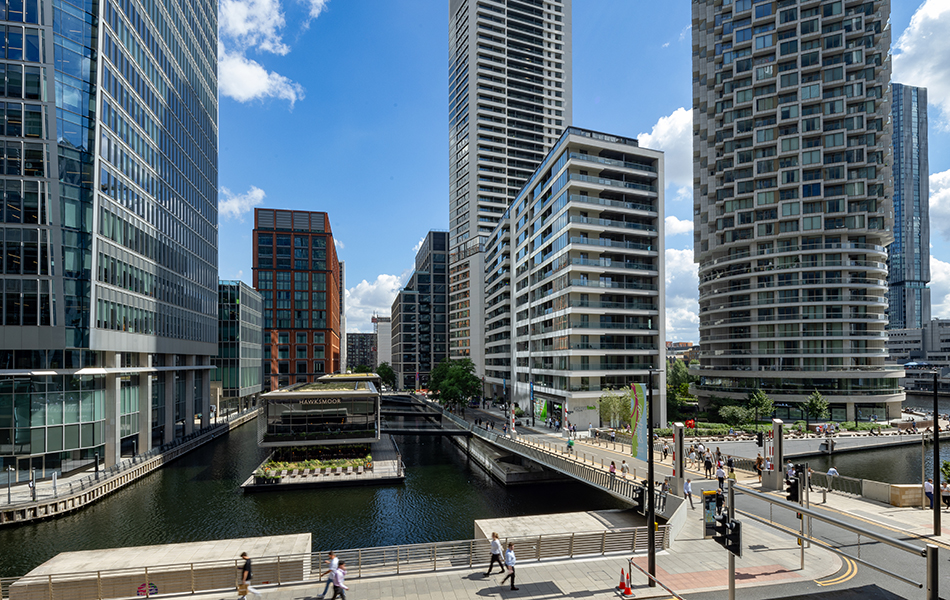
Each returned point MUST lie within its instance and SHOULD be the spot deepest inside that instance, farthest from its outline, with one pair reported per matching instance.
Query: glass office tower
(109, 228)
(792, 203)
(509, 102)
(908, 257)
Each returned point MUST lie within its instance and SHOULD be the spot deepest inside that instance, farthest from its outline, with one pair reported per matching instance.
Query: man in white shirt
(510, 562)
(833, 472)
(333, 563)
(495, 554)
(688, 492)
(929, 491)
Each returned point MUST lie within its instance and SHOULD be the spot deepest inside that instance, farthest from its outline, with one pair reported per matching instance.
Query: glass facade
(420, 334)
(108, 230)
(320, 413)
(908, 257)
(238, 366)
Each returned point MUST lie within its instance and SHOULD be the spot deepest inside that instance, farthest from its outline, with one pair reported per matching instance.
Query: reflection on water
(197, 498)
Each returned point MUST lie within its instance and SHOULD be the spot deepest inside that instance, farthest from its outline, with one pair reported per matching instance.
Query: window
(763, 198)
(790, 209)
(301, 337)
(834, 139)
(301, 352)
(789, 144)
(811, 158)
(811, 91)
(810, 223)
(788, 226)
(788, 80)
(790, 112)
(789, 47)
(789, 177)
(811, 189)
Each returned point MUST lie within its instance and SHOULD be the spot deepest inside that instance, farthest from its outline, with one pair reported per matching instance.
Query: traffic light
(760, 439)
(639, 499)
(733, 541)
(719, 529)
(793, 490)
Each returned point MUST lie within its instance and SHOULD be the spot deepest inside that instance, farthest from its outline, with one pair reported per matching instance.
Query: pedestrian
(945, 494)
(730, 462)
(333, 563)
(510, 563)
(613, 472)
(732, 475)
(708, 466)
(624, 469)
(929, 491)
(759, 462)
(495, 554)
(810, 473)
(693, 461)
(832, 472)
(721, 476)
(718, 455)
(688, 492)
(590, 429)
(666, 450)
(246, 576)
(613, 435)
(339, 588)
(720, 501)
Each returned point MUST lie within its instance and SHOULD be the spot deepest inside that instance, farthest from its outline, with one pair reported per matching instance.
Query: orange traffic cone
(627, 592)
(623, 581)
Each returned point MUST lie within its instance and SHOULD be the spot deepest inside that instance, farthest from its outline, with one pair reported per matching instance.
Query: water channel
(197, 498)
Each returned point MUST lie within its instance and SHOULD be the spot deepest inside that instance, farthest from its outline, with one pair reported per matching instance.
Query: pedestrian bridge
(667, 507)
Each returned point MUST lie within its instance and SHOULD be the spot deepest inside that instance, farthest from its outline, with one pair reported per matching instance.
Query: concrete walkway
(693, 564)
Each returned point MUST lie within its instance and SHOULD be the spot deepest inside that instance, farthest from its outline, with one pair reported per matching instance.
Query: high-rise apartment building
(109, 229)
(360, 350)
(238, 365)
(298, 275)
(792, 209)
(574, 281)
(908, 256)
(419, 315)
(509, 101)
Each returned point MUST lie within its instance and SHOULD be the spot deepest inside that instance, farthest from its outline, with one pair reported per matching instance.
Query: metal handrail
(362, 563)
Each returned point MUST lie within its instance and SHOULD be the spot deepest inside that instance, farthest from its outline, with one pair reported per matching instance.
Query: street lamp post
(936, 493)
(10, 471)
(651, 501)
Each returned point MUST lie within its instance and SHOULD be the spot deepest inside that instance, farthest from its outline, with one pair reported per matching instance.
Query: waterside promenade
(83, 488)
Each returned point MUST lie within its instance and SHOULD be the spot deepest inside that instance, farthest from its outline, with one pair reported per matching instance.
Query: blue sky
(341, 106)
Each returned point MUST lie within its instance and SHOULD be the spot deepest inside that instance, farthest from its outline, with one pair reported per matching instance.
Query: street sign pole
(732, 557)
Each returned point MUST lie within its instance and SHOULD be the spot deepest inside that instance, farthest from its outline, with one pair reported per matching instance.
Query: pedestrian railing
(838, 483)
(563, 462)
(207, 576)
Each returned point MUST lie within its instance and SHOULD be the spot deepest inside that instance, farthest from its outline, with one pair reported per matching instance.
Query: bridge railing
(568, 464)
(295, 569)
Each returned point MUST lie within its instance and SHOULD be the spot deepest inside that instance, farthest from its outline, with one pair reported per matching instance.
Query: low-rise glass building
(335, 410)
(236, 380)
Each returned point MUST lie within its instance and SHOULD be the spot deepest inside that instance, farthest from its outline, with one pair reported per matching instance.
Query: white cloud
(338, 243)
(921, 54)
(674, 136)
(244, 80)
(257, 25)
(415, 249)
(316, 7)
(682, 304)
(253, 23)
(666, 45)
(940, 203)
(366, 298)
(685, 32)
(235, 206)
(939, 288)
(676, 226)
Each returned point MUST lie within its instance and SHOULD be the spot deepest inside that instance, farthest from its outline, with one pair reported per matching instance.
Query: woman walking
(495, 554)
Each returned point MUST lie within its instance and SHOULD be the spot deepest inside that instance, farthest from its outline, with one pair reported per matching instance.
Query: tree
(678, 375)
(614, 406)
(387, 374)
(362, 369)
(678, 400)
(760, 404)
(735, 415)
(945, 470)
(454, 381)
(815, 407)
